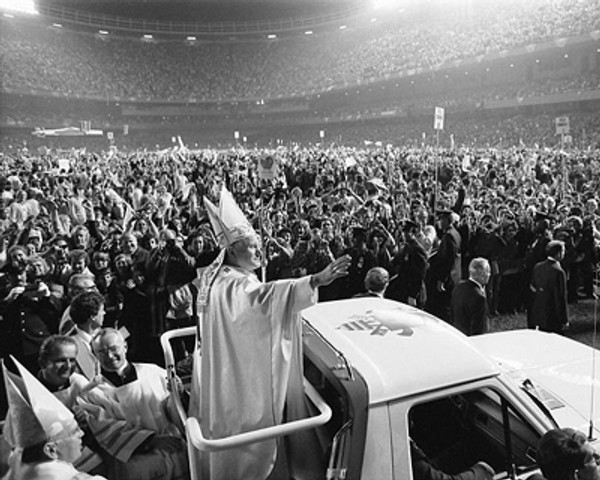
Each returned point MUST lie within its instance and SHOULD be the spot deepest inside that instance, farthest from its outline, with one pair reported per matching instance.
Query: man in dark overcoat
(548, 307)
(468, 306)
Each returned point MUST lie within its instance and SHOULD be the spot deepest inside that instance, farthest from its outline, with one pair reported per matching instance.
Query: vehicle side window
(457, 431)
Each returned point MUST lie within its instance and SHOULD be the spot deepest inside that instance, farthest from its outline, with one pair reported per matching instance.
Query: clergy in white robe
(58, 360)
(250, 346)
(131, 416)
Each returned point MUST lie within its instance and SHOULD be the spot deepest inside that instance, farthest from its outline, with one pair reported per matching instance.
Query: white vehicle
(381, 372)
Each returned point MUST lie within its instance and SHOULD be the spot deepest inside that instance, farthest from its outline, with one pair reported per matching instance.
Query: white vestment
(52, 470)
(125, 417)
(251, 349)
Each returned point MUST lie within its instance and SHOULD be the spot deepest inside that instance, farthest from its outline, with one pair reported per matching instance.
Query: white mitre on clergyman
(228, 221)
(35, 415)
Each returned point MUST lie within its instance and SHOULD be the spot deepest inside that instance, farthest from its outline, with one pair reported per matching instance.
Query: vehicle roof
(398, 350)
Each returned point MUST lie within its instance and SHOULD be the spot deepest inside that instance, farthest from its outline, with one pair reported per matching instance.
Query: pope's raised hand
(336, 269)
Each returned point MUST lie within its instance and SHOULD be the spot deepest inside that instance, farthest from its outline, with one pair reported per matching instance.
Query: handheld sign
(438, 122)
(562, 125)
(267, 167)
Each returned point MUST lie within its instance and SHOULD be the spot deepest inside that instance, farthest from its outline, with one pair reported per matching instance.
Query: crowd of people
(68, 63)
(134, 223)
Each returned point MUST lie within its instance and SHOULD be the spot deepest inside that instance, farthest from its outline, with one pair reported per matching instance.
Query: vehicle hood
(561, 371)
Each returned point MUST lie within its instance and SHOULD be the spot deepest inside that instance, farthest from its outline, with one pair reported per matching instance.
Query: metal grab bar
(167, 336)
(165, 341)
(214, 445)
(194, 431)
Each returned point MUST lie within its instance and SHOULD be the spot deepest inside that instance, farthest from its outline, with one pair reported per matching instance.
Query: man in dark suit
(363, 259)
(536, 240)
(548, 307)
(410, 266)
(444, 267)
(468, 306)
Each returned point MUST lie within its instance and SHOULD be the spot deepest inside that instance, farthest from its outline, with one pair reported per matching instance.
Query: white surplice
(51, 470)
(125, 417)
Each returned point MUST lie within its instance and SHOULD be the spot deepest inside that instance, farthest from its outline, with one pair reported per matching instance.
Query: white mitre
(228, 221)
(35, 415)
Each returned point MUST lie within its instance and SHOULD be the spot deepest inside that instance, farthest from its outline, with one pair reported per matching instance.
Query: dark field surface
(583, 315)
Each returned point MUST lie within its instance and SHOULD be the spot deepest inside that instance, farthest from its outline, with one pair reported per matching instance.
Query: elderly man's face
(69, 447)
(111, 351)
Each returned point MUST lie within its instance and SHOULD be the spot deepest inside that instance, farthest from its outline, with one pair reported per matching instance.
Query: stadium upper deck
(42, 58)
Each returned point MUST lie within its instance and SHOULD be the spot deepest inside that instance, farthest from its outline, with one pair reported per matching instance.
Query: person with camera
(169, 269)
(30, 310)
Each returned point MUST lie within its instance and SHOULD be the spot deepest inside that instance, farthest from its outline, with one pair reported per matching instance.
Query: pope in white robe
(250, 346)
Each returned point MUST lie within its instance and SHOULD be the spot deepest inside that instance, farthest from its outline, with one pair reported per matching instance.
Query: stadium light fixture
(57, 25)
(147, 36)
(378, 4)
(103, 32)
(386, 5)
(308, 32)
(8, 15)
(191, 38)
(271, 36)
(343, 27)
(21, 6)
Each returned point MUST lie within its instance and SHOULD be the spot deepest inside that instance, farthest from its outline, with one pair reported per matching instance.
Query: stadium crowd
(69, 63)
(133, 224)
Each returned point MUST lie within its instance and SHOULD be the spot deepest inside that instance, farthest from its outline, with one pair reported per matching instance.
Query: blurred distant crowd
(131, 225)
(69, 63)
